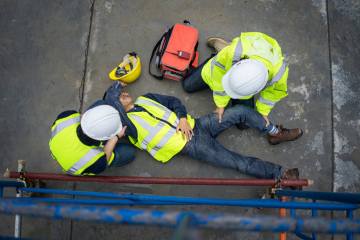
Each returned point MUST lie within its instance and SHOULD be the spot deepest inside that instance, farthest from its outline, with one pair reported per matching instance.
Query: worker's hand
(123, 84)
(220, 112)
(266, 120)
(185, 128)
(111, 143)
(122, 132)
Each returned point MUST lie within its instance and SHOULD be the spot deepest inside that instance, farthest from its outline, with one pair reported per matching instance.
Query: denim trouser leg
(124, 154)
(205, 147)
(232, 116)
(194, 82)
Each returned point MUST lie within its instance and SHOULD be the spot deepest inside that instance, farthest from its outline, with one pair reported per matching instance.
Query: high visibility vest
(156, 129)
(67, 149)
(251, 45)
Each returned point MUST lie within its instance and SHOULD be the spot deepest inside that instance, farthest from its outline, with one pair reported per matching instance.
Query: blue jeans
(124, 154)
(194, 82)
(204, 146)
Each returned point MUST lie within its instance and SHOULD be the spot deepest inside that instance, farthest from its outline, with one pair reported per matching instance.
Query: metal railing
(109, 207)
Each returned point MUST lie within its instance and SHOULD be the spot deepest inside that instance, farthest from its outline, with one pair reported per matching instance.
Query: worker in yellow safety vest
(252, 64)
(88, 144)
(164, 129)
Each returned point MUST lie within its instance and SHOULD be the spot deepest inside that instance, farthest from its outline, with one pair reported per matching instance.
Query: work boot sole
(216, 38)
(276, 143)
(210, 42)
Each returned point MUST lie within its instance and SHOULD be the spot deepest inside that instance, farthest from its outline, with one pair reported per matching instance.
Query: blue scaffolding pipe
(139, 199)
(326, 196)
(262, 203)
(172, 218)
(14, 184)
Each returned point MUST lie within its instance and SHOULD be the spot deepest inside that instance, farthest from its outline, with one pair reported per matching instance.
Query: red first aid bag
(176, 52)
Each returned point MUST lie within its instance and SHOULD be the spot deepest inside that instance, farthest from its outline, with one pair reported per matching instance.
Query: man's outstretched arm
(111, 97)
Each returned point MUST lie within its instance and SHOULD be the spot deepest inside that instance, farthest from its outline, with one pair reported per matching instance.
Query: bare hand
(185, 128)
(266, 120)
(122, 132)
(123, 84)
(220, 112)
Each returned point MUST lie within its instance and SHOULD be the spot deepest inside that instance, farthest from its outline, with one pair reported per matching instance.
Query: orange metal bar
(282, 213)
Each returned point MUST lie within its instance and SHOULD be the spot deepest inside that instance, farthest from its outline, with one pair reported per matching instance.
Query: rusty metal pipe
(159, 180)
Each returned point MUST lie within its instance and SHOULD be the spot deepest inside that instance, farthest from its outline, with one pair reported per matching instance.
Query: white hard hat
(101, 122)
(245, 79)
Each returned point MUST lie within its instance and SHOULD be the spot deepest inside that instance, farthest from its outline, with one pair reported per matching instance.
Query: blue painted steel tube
(314, 213)
(349, 215)
(14, 184)
(171, 218)
(327, 196)
(138, 199)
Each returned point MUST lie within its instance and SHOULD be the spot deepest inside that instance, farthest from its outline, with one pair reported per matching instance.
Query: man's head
(126, 100)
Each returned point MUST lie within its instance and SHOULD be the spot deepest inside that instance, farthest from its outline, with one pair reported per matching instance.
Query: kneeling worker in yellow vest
(164, 129)
(88, 144)
(252, 64)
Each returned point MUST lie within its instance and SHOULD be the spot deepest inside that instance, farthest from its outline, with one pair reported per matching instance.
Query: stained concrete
(42, 48)
(49, 57)
(345, 51)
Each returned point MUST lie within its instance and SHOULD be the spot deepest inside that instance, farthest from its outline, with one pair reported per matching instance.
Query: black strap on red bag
(159, 50)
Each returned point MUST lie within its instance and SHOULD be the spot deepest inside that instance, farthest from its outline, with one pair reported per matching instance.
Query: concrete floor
(51, 51)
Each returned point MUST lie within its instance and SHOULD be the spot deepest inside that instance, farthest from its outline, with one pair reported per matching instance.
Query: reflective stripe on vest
(84, 160)
(267, 102)
(219, 93)
(154, 104)
(237, 53)
(153, 130)
(236, 58)
(278, 75)
(61, 126)
(214, 62)
(219, 65)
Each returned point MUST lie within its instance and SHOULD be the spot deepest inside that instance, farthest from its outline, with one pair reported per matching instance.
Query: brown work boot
(284, 135)
(216, 43)
(291, 174)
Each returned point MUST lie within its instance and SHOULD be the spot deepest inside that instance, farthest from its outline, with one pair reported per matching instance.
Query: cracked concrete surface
(56, 56)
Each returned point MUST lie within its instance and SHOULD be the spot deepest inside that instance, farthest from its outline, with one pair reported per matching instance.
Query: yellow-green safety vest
(156, 129)
(67, 149)
(257, 46)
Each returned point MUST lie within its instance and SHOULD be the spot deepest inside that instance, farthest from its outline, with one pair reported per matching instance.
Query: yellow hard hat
(128, 70)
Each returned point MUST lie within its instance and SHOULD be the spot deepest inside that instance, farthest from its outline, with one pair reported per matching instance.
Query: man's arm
(111, 97)
(172, 103)
(271, 95)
